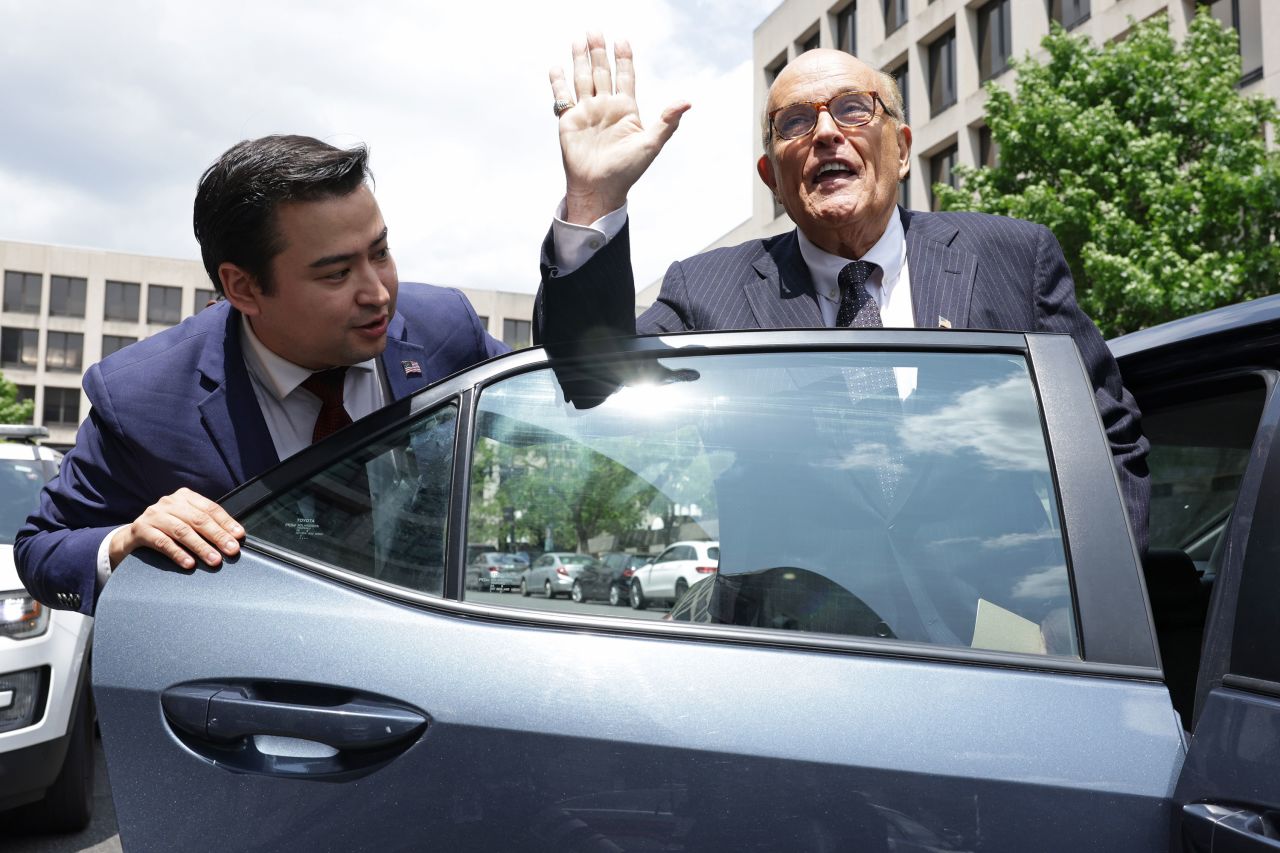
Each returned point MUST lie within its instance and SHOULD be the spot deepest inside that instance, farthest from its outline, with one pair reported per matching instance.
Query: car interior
(1201, 437)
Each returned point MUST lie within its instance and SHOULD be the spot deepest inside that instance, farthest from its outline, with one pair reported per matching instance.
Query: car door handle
(1227, 829)
(231, 723)
(226, 714)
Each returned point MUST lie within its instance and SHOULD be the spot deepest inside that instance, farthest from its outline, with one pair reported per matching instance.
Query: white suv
(46, 709)
(675, 570)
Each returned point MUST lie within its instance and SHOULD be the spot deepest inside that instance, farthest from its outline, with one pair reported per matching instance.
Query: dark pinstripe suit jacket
(975, 270)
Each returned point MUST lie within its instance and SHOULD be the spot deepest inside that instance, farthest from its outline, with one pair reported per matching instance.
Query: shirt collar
(278, 375)
(889, 253)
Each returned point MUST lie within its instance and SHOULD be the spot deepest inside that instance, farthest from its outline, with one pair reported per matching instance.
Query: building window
(895, 14)
(516, 333)
(66, 296)
(1245, 17)
(995, 38)
(61, 406)
(164, 304)
(900, 77)
(987, 152)
(813, 42)
(115, 343)
(772, 70)
(22, 292)
(1069, 13)
(942, 171)
(484, 321)
(942, 73)
(847, 29)
(25, 393)
(203, 299)
(122, 301)
(64, 351)
(19, 348)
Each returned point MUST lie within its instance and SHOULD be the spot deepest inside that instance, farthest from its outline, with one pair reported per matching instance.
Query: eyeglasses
(849, 109)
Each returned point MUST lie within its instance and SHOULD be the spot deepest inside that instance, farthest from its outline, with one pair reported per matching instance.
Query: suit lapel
(941, 276)
(230, 413)
(782, 297)
(399, 361)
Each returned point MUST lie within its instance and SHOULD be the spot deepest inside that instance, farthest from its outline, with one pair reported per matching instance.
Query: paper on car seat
(1005, 631)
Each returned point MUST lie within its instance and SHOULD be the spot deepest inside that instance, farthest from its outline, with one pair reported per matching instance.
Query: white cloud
(113, 110)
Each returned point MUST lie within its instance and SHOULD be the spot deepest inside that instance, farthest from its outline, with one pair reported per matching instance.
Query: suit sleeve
(1058, 311)
(598, 299)
(99, 487)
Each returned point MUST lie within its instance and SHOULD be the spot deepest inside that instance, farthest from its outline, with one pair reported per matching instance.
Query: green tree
(1149, 166)
(11, 410)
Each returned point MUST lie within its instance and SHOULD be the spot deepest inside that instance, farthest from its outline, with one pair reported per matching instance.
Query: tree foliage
(11, 410)
(1147, 163)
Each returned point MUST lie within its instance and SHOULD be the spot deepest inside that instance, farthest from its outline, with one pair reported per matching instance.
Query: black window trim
(1115, 646)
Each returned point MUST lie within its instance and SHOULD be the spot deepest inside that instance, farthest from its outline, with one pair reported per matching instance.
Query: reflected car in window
(673, 572)
(928, 624)
(609, 579)
(494, 570)
(553, 573)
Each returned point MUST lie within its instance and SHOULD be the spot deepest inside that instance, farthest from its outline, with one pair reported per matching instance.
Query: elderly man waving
(836, 145)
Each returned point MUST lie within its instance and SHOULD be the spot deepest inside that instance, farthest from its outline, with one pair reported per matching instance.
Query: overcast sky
(110, 111)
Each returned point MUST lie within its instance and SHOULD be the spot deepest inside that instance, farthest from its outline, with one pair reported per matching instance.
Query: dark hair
(235, 208)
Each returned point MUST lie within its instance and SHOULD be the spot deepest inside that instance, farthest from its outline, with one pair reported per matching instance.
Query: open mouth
(374, 328)
(834, 171)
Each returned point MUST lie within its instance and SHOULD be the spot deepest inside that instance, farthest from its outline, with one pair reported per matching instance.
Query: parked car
(609, 578)
(553, 573)
(494, 570)
(675, 570)
(971, 654)
(46, 710)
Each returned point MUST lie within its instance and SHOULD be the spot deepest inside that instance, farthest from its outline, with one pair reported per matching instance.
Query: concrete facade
(52, 378)
(793, 27)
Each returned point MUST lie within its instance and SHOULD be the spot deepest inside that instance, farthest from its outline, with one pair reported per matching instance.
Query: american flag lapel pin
(411, 368)
(943, 322)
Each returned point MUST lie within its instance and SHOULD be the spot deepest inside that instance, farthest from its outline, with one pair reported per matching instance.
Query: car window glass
(20, 483)
(713, 553)
(901, 496)
(1199, 451)
(379, 511)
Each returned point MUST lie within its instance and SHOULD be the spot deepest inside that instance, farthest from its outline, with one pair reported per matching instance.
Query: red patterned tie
(327, 385)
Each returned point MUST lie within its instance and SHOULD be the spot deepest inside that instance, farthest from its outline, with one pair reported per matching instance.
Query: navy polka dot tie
(857, 309)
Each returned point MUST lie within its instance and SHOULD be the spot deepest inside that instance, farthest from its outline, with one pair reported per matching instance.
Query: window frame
(24, 280)
(75, 295)
(996, 63)
(942, 48)
(164, 290)
(1115, 639)
(107, 316)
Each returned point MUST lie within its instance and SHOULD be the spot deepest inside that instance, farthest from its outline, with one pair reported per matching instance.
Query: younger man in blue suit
(314, 331)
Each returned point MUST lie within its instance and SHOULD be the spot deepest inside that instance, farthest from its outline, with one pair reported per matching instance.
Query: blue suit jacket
(974, 270)
(178, 409)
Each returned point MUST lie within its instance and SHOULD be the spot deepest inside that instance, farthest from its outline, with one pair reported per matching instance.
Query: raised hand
(604, 146)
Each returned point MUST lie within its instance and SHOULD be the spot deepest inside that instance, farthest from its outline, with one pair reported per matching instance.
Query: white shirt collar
(278, 375)
(889, 253)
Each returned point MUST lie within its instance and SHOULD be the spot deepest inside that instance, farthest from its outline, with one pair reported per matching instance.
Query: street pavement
(101, 836)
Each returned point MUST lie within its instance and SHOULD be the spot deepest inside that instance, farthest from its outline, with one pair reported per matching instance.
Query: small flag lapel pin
(943, 322)
(411, 368)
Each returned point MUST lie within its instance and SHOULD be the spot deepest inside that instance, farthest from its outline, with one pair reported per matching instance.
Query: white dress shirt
(289, 410)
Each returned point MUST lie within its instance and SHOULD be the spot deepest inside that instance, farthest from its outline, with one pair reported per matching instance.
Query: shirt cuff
(574, 245)
(104, 558)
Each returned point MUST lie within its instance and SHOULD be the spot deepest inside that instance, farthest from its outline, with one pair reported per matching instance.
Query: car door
(1210, 411)
(662, 577)
(965, 664)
